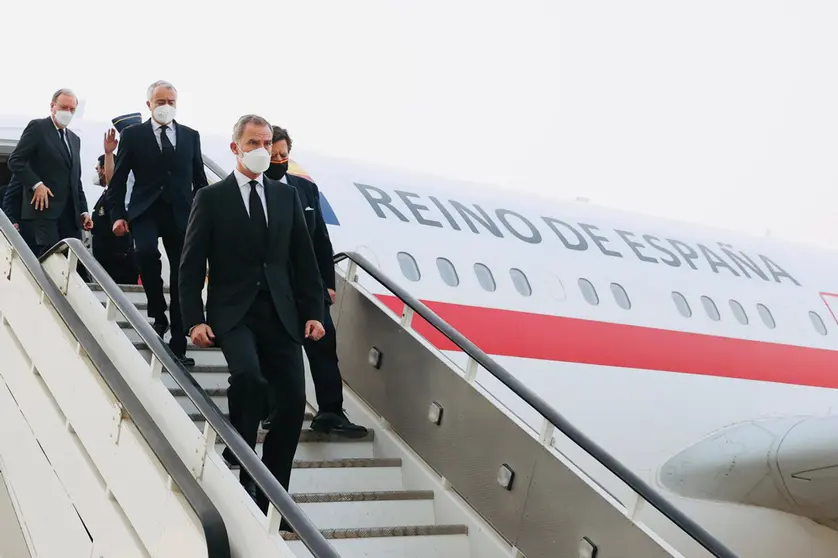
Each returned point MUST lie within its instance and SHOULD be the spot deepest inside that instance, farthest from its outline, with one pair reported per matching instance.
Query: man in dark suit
(265, 297)
(47, 165)
(165, 158)
(323, 354)
(115, 253)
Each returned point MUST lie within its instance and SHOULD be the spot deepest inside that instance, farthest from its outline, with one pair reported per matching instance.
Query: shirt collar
(155, 125)
(242, 180)
(284, 179)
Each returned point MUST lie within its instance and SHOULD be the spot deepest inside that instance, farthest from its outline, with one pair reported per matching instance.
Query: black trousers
(325, 373)
(159, 222)
(122, 270)
(323, 362)
(41, 234)
(263, 358)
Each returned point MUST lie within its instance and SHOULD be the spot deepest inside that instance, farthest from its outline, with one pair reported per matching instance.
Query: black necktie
(257, 213)
(64, 143)
(166, 146)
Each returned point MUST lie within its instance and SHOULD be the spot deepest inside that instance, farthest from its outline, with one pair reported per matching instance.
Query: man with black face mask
(322, 354)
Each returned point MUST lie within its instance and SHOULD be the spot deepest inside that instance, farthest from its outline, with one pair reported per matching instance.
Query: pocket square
(309, 209)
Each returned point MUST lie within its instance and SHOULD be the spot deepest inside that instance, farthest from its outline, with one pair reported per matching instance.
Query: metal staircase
(446, 470)
(356, 496)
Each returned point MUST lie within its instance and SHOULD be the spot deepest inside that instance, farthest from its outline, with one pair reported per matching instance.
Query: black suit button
(265, 265)
(258, 283)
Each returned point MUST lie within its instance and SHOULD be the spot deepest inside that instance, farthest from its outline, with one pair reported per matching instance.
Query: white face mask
(256, 161)
(164, 114)
(63, 117)
(96, 180)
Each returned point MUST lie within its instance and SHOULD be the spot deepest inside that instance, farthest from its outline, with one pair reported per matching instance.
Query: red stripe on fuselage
(538, 336)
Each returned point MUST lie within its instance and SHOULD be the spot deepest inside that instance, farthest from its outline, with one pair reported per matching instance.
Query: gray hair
(64, 91)
(238, 129)
(159, 83)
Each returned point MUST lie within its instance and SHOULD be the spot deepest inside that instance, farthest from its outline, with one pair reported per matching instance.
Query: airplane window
(447, 272)
(739, 312)
(588, 291)
(681, 304)
(484, 277)
(766, 316)
(818, 323)
(710, 308)
(522, 285)
(621, 296)
(408, 266)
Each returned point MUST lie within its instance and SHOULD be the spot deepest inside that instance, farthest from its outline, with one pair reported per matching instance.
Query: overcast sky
(721, 112)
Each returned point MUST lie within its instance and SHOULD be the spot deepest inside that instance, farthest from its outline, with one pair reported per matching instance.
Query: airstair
(109, 447)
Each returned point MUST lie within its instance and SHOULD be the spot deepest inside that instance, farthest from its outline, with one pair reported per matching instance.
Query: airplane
(705, 360)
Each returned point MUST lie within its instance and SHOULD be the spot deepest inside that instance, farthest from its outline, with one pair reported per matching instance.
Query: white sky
(721, 112)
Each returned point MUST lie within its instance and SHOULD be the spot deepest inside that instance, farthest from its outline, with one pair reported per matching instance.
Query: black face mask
(277, 170)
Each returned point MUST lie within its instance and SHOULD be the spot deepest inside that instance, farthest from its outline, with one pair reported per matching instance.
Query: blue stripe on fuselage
(328, 213)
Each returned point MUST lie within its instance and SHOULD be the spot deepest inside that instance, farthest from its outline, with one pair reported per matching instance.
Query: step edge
(385, 532)
(368, 496)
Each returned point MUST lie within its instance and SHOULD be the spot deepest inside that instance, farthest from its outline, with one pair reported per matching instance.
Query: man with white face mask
(265, 295)
(165, 157)
(47, 167)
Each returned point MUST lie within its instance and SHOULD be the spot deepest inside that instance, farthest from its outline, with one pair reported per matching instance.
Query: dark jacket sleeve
(322, 243)
(193, 261)
(118, 186)
(20, 157)
(12, 200)
(199, 175)
(308, 288)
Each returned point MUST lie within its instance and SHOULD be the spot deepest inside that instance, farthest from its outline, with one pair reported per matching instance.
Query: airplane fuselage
(654, 337)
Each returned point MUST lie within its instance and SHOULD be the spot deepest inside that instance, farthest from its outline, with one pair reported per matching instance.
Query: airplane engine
(788, 464)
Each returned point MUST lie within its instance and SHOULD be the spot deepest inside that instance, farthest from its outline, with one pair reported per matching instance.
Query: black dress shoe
(161, 326)
(186, 361)
(328, 422)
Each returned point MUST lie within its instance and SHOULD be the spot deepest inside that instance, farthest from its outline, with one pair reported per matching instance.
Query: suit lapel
(235, 200)
(150, 133)
(273, 210)
(178, 136)
(55, 140)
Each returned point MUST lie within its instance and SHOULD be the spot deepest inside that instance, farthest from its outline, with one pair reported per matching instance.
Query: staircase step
(347, 475)
(213, 376)
(125, 288)
(198, 419)
(359, 475)
(415, 541)
(319, 447)
(361, 510)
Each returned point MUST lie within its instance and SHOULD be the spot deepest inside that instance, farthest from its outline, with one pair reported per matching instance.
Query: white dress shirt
(170, 132)
(244, 188)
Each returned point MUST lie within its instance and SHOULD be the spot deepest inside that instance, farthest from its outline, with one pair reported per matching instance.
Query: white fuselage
(632, 371)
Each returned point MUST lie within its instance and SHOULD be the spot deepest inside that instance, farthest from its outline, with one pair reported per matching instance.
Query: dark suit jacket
(10, 200)
(140, 152)
(310, 200)
(39, 157)
(107, 247)
(219, 232)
